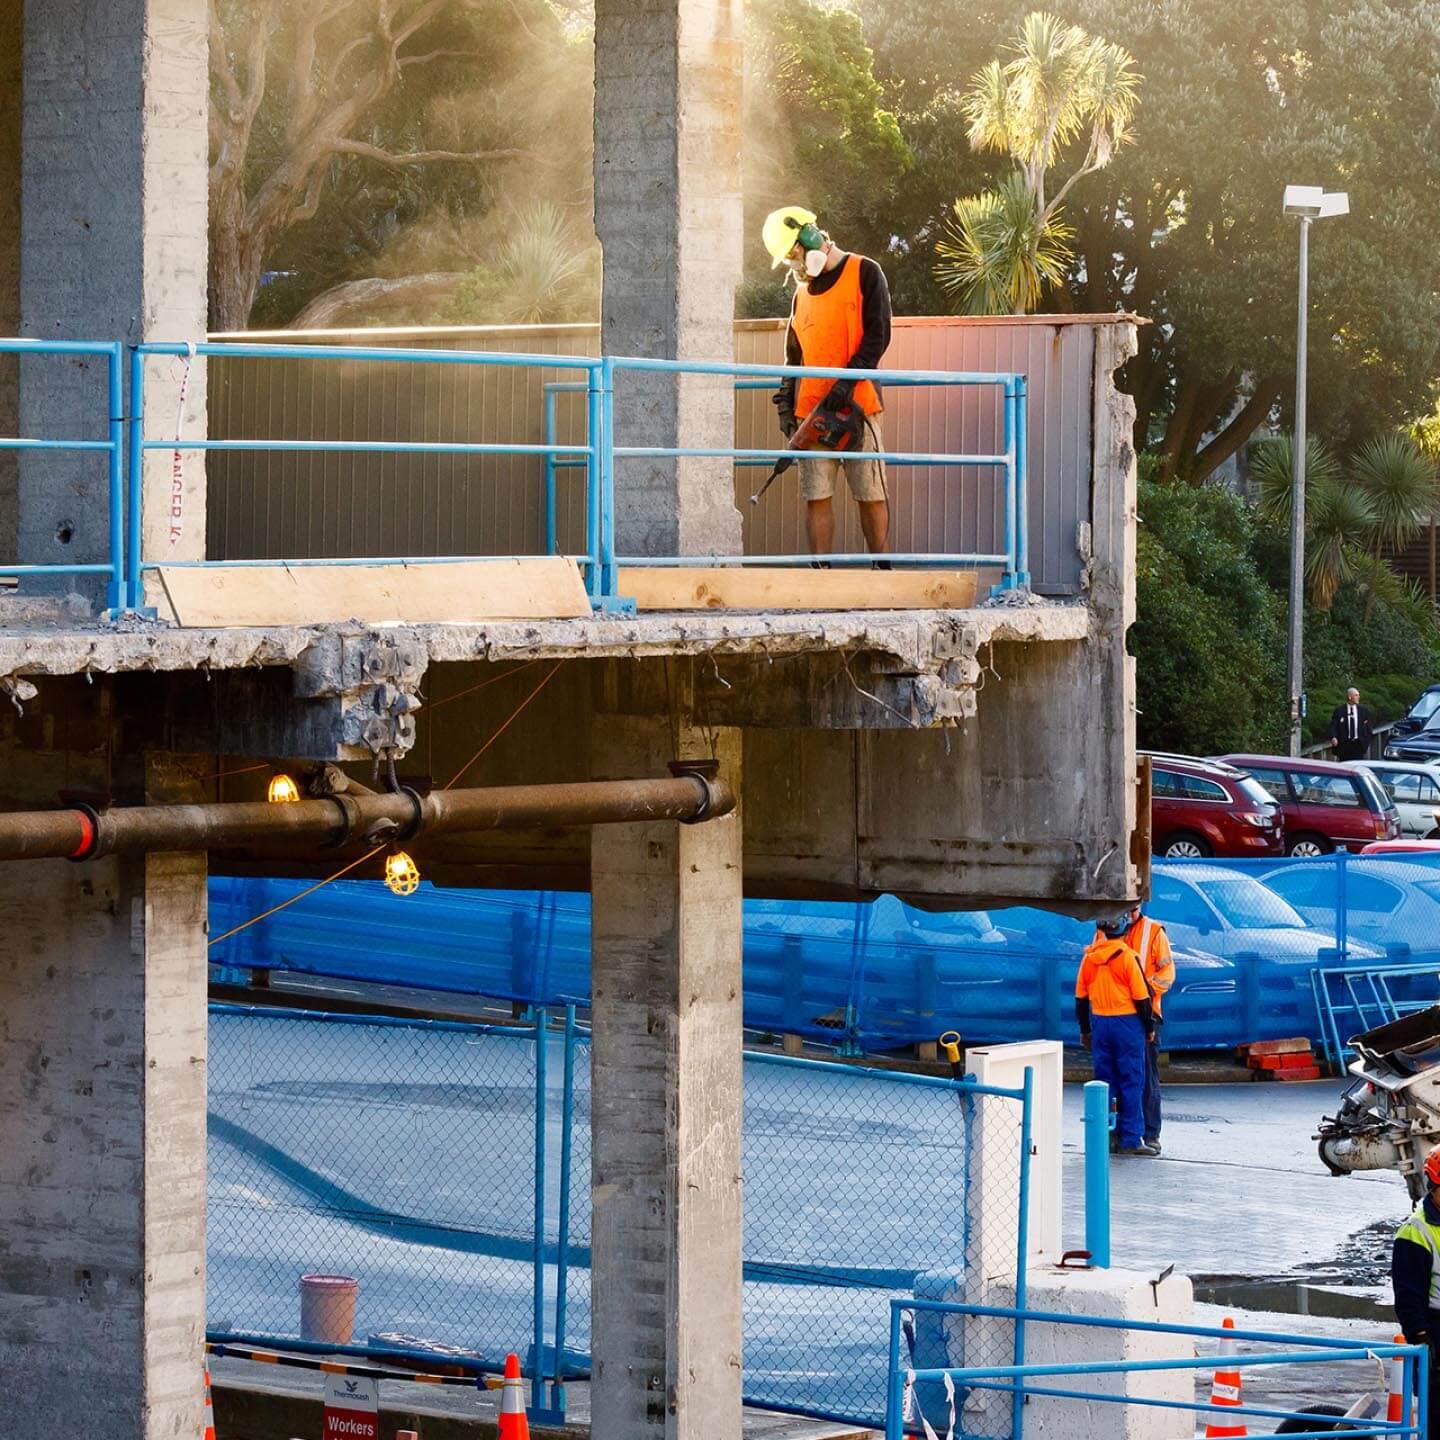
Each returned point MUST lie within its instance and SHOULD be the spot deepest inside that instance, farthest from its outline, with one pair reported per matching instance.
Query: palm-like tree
(1352, 512)
(1062, 84)
(1400, 481)
(995, 256)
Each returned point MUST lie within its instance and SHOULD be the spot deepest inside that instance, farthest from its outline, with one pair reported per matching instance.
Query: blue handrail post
(549, 471)
(609, 598)
(537, 1382)
(1021, 482)
(117, 592)
(562, 1252)
(135, 500)
(595, 480)
(1097, 1173)
(1022, 1251)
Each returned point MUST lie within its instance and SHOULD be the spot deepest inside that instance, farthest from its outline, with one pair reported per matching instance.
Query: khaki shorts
(866, 478)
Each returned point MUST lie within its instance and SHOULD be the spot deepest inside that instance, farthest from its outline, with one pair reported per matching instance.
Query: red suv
(1326, 806)
(1200, 808)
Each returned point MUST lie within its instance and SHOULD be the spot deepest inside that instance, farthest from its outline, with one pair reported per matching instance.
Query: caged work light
(402, 875)
(282, 790)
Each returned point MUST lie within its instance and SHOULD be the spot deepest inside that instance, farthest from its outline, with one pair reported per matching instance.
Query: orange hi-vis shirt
(1110, 978)
(829, 327)
(1147, 938)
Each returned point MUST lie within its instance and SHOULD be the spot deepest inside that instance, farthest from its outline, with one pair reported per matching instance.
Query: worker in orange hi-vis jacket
(1117, 1023)
(1147, 938)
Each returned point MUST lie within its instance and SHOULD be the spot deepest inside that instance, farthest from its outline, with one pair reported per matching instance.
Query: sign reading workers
(352, 1408)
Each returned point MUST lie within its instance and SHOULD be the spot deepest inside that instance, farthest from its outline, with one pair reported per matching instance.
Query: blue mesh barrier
(1250, 938)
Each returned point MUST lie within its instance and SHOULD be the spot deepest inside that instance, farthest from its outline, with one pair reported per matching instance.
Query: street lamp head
(1311, 202)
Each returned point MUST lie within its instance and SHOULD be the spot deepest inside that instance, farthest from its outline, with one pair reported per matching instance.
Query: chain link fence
(426, 1160)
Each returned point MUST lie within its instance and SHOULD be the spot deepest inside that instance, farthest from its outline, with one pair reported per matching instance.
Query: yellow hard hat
(782, 229)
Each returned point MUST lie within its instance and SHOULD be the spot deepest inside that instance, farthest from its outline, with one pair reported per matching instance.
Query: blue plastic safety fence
(1321, 948)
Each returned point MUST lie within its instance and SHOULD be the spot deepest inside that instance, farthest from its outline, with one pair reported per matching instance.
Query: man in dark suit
(1351, 728)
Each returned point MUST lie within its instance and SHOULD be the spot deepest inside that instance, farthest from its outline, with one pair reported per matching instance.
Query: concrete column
(667, 211)
(666, 1107)
(113, 247)
(102, 1147)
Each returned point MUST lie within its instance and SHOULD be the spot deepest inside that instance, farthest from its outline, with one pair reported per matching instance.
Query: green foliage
(998, 256)
(1209, 632)
(544, 272)
(817, 130)
(1209, 637)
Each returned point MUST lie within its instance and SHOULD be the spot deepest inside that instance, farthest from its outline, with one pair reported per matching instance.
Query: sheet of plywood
(725, 587)
(542, 588)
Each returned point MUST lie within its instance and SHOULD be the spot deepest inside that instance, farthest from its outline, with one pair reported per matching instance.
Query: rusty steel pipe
(692, 795)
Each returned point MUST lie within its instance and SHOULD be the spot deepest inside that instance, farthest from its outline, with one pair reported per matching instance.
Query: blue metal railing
(127, 445)
(1017, 1379)
(112, 447)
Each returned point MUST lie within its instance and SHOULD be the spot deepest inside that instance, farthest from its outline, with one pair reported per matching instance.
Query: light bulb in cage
(283, 790)
(402, 875)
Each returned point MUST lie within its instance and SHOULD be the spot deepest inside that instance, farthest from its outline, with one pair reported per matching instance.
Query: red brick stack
(1281, 1059)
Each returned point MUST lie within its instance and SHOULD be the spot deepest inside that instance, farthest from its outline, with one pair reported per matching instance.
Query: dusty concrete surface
(113, 247)
(102, 1126)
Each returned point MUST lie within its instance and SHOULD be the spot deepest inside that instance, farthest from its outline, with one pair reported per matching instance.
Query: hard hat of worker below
(787, 226)
(1432, 1167)
(1115, 928)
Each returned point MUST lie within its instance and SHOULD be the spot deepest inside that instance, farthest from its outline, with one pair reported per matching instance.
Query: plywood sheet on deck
(540, 588)
(727, 587)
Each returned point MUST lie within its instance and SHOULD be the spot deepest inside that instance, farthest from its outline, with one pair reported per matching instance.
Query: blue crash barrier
(1249, 938)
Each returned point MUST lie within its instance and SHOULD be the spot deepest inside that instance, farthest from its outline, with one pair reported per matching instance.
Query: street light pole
(1295, 651)
(1309, 203)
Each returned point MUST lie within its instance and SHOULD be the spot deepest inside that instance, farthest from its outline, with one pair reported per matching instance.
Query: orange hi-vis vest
(1147, 938)
(829, 328)
(1110, 978)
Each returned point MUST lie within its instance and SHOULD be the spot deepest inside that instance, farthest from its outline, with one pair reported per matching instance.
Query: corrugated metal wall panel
(269, 505)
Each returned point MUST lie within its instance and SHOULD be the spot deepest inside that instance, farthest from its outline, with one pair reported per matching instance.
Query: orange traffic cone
(209, 1410)
(1225, 1388)
(1395, 1410)
(513, 1423)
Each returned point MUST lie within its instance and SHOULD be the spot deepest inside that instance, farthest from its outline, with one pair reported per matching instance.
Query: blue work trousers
(1118, 1047)
(1152, 1093)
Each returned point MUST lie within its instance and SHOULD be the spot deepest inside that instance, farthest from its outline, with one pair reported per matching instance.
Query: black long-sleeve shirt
(1410, 1280)
(875, 320)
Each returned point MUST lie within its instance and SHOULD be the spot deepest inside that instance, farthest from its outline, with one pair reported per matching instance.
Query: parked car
(1422, 745)
(1420, 712)
(1199, 808)
(1213, 909)
(1390, 900)
(1415, 789)
(1325, 805)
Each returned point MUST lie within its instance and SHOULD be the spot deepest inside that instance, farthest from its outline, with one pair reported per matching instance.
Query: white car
(1414, 786)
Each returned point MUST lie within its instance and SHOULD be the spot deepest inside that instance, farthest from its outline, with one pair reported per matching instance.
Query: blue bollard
(1097, 1173)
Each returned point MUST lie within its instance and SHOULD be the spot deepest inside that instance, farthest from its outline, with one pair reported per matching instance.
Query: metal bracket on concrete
(375, 680)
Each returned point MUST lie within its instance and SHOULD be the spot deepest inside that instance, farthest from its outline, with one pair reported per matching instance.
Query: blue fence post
(1250, 964)
(549, 472)
(537, 1383)
(1342, 904)
(136, 498)
(894, 1413)
(562, 1248)
(1097, 1173)
(1022, 1252)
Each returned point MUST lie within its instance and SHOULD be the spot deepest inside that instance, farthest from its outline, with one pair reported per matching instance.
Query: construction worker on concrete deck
(840, 318)
(1147, 938)
(1415, 1278)
(1117, 1024)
